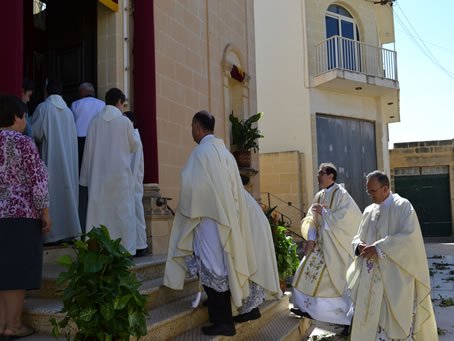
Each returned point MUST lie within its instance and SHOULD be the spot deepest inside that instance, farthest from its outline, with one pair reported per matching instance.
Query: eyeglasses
(320, 172)
(373, 191)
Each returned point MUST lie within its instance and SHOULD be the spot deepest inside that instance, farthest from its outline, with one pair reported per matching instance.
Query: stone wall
(424, 154)
(281, 175)
(193, 39)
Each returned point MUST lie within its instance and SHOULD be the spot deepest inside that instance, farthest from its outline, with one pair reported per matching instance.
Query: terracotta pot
(283, 285)
(243, 158)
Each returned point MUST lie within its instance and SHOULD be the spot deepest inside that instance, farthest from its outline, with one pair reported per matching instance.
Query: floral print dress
(23, 177)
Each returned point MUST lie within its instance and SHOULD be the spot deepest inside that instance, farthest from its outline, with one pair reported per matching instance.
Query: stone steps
(170, 311)
(274, 324)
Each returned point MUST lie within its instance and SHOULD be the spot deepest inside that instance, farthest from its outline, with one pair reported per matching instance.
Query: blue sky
(426, 91)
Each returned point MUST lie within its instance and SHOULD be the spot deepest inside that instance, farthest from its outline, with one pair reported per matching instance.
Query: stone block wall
(424, 154)
(281, 175)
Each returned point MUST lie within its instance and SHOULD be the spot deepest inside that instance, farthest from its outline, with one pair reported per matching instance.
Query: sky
(426, 91)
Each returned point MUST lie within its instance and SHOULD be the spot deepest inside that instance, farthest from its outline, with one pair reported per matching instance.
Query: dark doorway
(60, 43)
(350, 145)
(430, 197)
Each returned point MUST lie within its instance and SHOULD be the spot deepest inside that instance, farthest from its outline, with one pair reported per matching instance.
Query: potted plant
(284, 247)
(102, 300)
(245, 138)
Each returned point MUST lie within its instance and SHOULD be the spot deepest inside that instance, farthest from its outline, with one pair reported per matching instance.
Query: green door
(429, 195)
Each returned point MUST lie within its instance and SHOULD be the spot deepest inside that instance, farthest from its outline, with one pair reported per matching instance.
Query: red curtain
(145, 85)
(11, 55)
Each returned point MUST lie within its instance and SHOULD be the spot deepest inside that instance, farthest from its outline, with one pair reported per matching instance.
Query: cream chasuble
(384, 290)
(211, 188)
(267, 276)
(319, 283)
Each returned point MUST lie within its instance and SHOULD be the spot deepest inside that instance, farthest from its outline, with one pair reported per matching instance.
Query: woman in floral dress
(24, 216)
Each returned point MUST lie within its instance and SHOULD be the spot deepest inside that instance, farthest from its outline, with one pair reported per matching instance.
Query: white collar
(206, 138)
(388, 200)
(328, 190)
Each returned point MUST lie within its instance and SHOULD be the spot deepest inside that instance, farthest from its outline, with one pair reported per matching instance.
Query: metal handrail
(288, 203)
(342, 53)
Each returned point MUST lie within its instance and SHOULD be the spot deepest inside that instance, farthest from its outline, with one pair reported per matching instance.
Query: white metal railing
(347, 54)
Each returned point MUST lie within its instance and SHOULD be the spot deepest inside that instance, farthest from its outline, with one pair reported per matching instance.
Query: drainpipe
(125, 48)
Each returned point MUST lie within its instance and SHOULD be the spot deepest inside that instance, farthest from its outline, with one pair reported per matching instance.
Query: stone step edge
(283, 327)
(266, 309)
(52, 271)
(38, 311)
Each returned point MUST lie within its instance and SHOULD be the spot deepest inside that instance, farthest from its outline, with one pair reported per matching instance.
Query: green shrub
(102, 301)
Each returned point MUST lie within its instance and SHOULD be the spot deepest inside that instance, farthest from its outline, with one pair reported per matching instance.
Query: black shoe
(141, 252)
(301, 313)
(254, 314)
(226, 329)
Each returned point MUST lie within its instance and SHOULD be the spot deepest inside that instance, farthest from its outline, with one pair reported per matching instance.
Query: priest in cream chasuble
(211, 231)
(264, 284)
(389, 280)
(329, 226)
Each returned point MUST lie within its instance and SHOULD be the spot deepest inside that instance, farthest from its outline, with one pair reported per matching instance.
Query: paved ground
(441, 264)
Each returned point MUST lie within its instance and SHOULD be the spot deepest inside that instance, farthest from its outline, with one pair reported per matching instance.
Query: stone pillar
(158, 218)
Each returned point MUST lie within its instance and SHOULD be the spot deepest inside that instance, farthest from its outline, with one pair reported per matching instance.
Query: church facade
(171, 58)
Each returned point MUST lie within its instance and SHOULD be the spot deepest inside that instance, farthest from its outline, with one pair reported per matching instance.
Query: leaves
(65, 261)
(102, 297)
(243, 135)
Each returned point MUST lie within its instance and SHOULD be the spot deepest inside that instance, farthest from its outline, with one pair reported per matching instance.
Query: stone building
(171, 58)
(423, 172)
(328, 89)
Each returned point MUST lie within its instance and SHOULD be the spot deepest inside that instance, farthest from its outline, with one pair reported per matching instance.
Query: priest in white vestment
(264, 284)
(55, 133)
(389, 281)
(211, 233)
(106, 170)
(319, 284)
(137, 168)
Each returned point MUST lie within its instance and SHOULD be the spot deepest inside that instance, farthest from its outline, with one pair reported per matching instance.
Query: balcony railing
(350, 55)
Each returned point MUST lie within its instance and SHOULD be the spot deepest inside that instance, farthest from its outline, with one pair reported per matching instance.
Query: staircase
(171, 316)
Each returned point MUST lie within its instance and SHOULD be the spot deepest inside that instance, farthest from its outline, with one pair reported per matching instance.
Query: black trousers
(219, 306)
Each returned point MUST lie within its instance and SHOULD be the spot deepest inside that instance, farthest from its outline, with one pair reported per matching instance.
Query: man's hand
(368, 252)
(361, 246)
(45, 219)
(309, 247)
(317, 208)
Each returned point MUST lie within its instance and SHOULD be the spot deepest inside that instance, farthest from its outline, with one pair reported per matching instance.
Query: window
(341, 34)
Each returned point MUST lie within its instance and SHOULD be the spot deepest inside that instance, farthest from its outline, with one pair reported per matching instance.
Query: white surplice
(106, 170)
(137, 168)
(55, 132)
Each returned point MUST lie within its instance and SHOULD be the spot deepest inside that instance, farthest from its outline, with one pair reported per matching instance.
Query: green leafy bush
(243, 135)
(102, 301)
(284, 246)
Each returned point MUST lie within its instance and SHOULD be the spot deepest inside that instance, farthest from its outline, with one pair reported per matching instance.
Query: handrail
(342, 53)
(288, 203)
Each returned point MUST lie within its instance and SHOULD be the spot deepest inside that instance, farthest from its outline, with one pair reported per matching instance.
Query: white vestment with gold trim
(391, 293)
(212, 219)
(319, 283)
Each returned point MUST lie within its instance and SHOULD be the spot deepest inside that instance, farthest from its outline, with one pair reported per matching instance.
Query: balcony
(351, 66)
